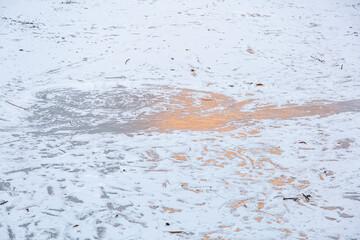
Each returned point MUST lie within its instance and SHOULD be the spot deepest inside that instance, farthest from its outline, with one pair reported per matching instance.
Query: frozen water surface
(183, 120)
(70, 112)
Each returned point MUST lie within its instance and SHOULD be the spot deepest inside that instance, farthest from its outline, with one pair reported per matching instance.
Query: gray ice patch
(69, 111)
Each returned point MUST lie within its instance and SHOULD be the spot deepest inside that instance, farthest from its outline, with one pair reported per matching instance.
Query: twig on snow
(16, 105)
(295, 199)
(307, 197)
(322, 61)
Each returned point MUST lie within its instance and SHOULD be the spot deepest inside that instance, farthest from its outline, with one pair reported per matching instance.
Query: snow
(206, 115)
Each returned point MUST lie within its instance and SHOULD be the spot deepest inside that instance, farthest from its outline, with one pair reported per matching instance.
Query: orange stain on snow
(206, 111)
(170, 210)
(261, 164)
(296, 111)
(281, 181)
(180, 156)
(225, 226)
(199, 111)
(333, 208)
(303, 185)
(260, 206)
(207, 237)
(286, 231)
(273, 150)
(240, 203)
(186, 187)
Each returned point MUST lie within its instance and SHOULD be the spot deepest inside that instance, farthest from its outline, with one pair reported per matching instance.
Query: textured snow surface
(179, 119)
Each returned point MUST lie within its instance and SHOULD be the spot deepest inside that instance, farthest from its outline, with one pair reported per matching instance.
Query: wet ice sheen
(67, 111)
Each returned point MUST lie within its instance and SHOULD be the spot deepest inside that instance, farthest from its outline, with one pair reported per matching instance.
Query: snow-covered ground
(155, 119)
